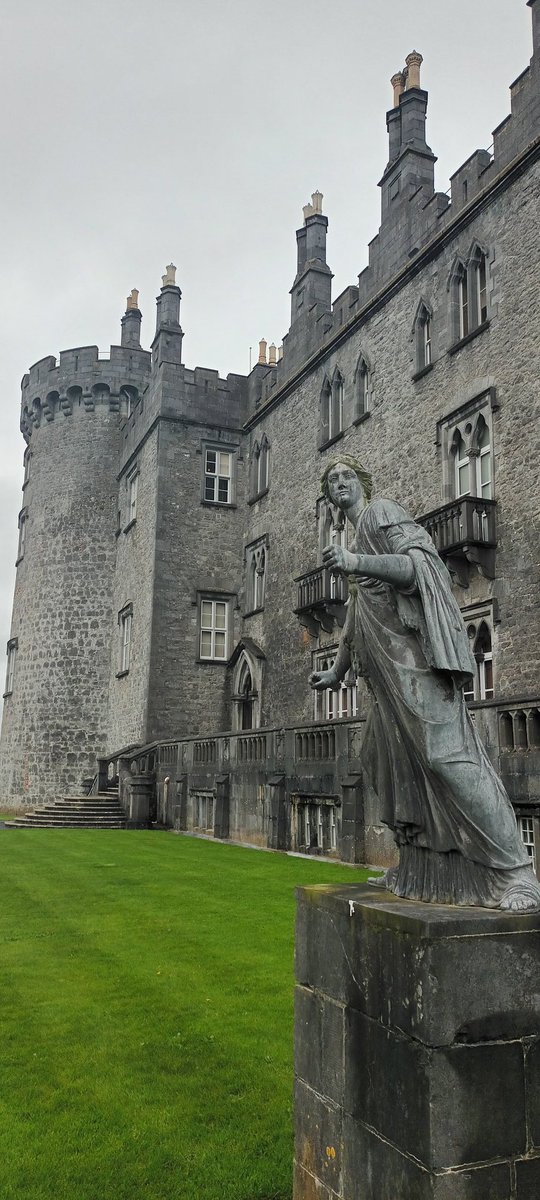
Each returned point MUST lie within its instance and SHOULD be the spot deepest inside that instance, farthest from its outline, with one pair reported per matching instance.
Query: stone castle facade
(170, 601)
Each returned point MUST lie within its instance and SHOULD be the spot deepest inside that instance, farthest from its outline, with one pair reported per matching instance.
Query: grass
(146, 1016)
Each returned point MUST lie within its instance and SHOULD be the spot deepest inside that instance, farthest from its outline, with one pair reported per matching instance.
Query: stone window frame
(332, 408)
(215, 597)
(363, 388)
(470, 288)
(125, 625)
(480, 620)
(27, 460)
(329, 705)
(259, 469)
(466, 421)
(132, 489)
(247, 662)
(216, 446)
(21, 545)
(11, 652)
(423, 346)
(256, 561)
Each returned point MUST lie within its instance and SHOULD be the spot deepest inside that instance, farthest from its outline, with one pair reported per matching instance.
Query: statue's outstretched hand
(339, 559)
(320, 680)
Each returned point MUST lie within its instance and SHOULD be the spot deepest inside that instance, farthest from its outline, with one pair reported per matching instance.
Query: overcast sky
(136, 132)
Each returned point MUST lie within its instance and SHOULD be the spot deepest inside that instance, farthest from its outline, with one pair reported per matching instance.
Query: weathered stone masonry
(430, 360)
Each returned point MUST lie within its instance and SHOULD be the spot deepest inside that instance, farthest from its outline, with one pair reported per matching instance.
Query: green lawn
(146, 1016)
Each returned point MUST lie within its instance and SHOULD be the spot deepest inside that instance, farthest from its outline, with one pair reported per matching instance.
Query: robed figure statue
(452, 820)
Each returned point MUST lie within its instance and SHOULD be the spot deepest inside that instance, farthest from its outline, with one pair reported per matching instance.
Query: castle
(170, 600)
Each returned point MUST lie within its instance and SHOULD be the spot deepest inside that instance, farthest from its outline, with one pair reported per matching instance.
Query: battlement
(83, 376)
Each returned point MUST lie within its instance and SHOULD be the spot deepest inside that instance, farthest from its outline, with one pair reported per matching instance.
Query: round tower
(73, 412)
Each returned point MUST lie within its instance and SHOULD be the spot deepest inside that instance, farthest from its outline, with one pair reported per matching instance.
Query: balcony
(321, 600)
(464, 532)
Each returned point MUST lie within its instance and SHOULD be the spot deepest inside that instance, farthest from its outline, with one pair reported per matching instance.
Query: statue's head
(330, 475)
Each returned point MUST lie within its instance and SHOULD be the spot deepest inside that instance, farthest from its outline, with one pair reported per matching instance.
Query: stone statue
(452, 820)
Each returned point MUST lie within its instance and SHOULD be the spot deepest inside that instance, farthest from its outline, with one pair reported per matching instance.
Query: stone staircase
(101, 811)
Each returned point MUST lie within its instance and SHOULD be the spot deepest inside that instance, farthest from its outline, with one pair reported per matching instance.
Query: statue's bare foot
(518, 900)
(385, 881)
(523, 895)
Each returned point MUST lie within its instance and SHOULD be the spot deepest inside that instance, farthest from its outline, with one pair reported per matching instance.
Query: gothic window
(27, 460)
(461, 466)
(363, 387)
(125, 622)
(245, 698)
(10, 669)
(214, 629)
(256, 566)
(333, 705)
(332, 408)
(466, 438)
(260, 467)
(469, 293)
(481, 687)
(423, 338)
(217, 476)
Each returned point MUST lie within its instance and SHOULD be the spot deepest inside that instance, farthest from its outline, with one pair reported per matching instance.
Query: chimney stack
(262, 352)
(413, 62)
(131, 322)
(535, 6)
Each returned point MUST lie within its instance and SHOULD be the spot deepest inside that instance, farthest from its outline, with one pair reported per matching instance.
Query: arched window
(468, 286)
(260, 467)
(481, 687)
(478, 287)
(462, 484)
(245, 698)
(423, 338)
(256, 564)
(483, 460)
(332, 408)
(363, 387)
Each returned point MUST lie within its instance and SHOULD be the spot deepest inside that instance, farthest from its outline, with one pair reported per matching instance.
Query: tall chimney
(413, 62)
(131, 322)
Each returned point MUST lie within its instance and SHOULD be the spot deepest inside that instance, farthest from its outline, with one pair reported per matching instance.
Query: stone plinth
(140, 795)
(417, 1050)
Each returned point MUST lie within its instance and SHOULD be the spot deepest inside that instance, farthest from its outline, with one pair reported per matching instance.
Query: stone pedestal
(140, 795)
(417, 1050)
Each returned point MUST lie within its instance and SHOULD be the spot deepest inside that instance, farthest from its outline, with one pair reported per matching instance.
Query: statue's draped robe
(436, 786)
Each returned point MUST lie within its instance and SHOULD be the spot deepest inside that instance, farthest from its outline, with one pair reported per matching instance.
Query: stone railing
(320, 586)
(254, 776)
(464, 532)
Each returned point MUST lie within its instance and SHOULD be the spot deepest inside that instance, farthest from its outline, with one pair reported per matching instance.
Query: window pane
(220, 645)
(463, 479)
(206, 643)
(224, 464)
(211, 462)
(221, 611)
(223, 491)
(485, 467)
(206, 614)
(210, 488)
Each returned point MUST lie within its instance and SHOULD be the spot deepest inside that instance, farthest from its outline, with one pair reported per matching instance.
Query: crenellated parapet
(85, 378)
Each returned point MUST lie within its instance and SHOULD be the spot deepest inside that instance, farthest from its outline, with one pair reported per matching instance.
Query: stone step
(82, 823)
(77, 809)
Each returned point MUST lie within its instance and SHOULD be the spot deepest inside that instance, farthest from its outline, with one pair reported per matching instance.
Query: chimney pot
(272, 354)
(413, 63)
(262, 352)
(169, 278)
(132, 300)
(398, 84)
